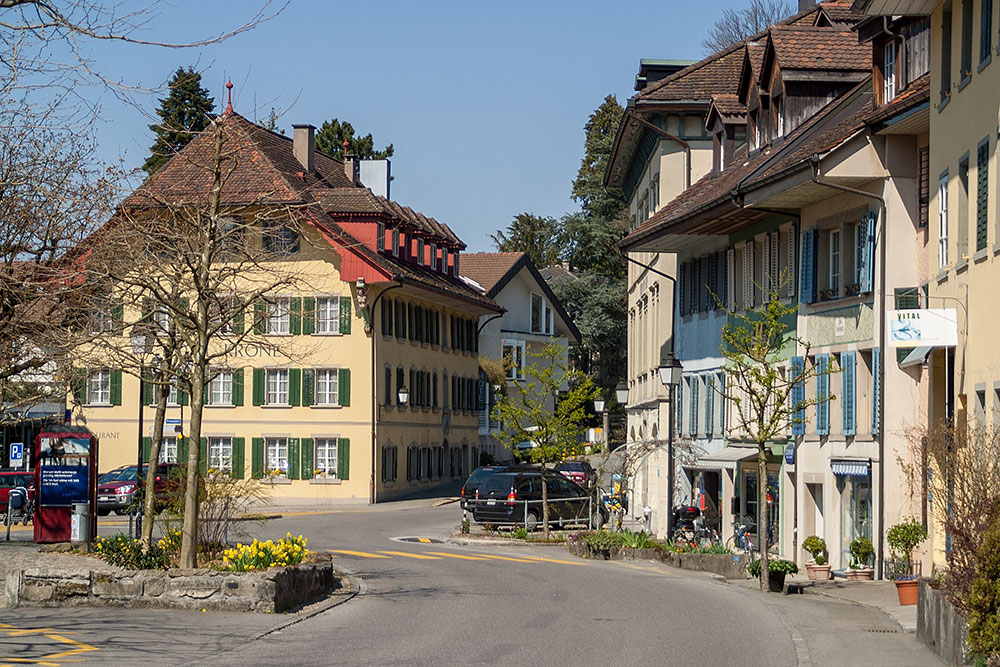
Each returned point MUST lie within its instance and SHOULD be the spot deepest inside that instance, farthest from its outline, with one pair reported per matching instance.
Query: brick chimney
(302, 145)
(805, 5)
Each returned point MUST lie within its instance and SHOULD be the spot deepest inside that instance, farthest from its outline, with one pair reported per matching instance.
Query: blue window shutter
(808, 271)
(866, 272)
(709, 408)
(823, 394)
(876, 362)
(798, 396)
(693, 420)
(682, 288)
(847, 390)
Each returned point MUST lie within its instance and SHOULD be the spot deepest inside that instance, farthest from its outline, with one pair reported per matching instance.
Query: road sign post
(16, 454)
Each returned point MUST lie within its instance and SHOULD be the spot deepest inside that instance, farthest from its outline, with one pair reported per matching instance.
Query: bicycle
(740, 539)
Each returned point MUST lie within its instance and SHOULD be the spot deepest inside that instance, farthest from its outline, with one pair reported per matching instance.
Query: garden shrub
(777, 565)
(122, 550)
(984, 598)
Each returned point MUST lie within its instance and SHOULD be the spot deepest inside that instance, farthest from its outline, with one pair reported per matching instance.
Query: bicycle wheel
(731, 543)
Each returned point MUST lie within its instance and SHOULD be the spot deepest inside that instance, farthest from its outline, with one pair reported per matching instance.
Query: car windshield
(479, 473)
(499, 484)
(575, 466)
(121, 475)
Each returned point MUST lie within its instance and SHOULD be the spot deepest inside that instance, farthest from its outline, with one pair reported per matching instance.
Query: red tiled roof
(917, 93)
(719, 73)
(729, 105)
(361, 200)
(488, 268)
(805, 48)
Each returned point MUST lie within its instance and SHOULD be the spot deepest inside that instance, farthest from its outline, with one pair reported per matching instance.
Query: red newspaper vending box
(65, 475)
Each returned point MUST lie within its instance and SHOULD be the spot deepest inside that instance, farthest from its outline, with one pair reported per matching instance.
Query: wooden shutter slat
(239, 458)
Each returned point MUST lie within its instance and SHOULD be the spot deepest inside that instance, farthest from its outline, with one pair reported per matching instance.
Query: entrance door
(855, 512)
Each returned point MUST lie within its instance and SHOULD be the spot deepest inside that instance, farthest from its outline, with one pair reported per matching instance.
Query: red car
(580, 472)
(117, 488)
(11, 480)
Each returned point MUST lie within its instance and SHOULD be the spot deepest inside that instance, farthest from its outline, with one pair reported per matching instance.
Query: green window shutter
(293, 458)
(847, 399)
(79, 386)
(343, 458)
(294, 386)
(823, 394)
(344, 386)
(295, 316)
(147, 388)
(306, 458)
(239, 458)
(147, 445)
(309, 315)
(308, 385)
(982, 192)
(239, 314)
(146, 310)
(203, 456)
(185, 304)
(237, 386)
(182, 450)
(258, 386)
(118, 316)
(259, 322)
(182, 397)
(876, 389)
(345, 314)
(257, 457)
(116, 387)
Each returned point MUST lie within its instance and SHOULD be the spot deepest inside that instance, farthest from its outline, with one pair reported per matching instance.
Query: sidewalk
(880, 595)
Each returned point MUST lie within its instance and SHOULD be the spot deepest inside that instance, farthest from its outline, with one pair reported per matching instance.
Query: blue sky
(484, 102)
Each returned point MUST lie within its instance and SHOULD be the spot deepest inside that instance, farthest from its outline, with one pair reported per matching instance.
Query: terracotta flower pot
(864, 574)
(820, 572)
(907, 591)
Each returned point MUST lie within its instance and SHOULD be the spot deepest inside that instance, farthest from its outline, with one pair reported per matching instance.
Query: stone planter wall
(274, 590)
(727, 565)
(939, 626)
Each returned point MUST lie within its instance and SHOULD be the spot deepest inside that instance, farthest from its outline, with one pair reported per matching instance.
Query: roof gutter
(814, 161)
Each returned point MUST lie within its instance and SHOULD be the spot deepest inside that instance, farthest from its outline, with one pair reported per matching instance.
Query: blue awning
(916, 356)
(858, 468)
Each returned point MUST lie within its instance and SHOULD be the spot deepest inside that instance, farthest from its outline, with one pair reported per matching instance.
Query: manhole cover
(422, 540)
(882, 631)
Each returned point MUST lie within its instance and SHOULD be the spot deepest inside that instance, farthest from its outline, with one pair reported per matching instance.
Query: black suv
(472, 483)
(516, 498)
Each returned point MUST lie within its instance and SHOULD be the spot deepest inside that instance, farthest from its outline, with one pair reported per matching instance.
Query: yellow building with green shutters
(309, 400)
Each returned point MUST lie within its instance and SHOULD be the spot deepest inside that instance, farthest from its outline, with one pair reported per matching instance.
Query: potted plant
(861, 554)
(903, 539)
(819, 568)
(776, 570)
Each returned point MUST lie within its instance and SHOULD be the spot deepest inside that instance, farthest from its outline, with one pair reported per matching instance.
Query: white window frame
(516, 371)
(421, 250)
(545, 315)
(833, 282)
(220, 388)
(380, 237)
(434, 257)
(279, 316)
(276, 386)
(329, 395)
(102, 320)
(276, 454)
(172, 394)
(168, 449)
(943, 221)
(889, 72)
(325, 456)
(220, 453)
(161, 317)
(327, 315)
(395, 242)
(99, 387)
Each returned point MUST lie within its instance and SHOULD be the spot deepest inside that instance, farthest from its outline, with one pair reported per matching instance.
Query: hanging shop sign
(927, 327)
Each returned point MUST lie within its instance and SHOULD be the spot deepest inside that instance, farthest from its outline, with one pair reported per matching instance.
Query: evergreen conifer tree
(183, 113)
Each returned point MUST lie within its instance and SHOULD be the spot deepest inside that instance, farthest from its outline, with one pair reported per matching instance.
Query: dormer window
(454, 266)
(380, 238)
(395, 242)
(434, 257)
(421, 248)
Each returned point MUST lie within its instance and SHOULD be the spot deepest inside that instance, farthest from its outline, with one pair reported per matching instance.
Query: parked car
(11, 480)
(501, 499)
(117, 494)
(473, 482)
(580, 472)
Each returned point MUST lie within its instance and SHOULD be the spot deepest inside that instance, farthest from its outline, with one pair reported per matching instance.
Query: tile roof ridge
(248, 127)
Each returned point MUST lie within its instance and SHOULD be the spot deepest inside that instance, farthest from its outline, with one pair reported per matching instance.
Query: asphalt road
(427, 603)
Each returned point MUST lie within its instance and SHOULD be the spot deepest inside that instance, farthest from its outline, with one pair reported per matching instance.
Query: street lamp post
(600, 408)
(142, 345)
(670, 375)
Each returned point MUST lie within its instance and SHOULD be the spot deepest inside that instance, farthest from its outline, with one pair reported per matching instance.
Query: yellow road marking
(516, 560)
(553, 560)
(361, 554)
(410, 555)
(34, 631)
(448, 555)
(80, 647)
(45, 660)
(424, 540)
(30, 661)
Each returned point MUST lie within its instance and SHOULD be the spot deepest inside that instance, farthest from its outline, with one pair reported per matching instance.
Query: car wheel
(103, 512)
(597, 520)
(531, 520)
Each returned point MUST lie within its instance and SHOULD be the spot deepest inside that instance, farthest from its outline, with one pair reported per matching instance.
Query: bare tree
(766, 399)
(201, 274)
(739, 24)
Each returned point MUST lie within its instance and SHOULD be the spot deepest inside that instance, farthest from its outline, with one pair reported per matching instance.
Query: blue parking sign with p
(16, 454)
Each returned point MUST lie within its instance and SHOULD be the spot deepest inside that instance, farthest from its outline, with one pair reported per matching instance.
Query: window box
(276, 477)
(853, 290)
(828, 295)
(324, 480)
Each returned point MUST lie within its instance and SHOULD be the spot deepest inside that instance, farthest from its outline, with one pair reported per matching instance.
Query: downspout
(795, 444)
(685, 145)
(399, 281)
(883, 225)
